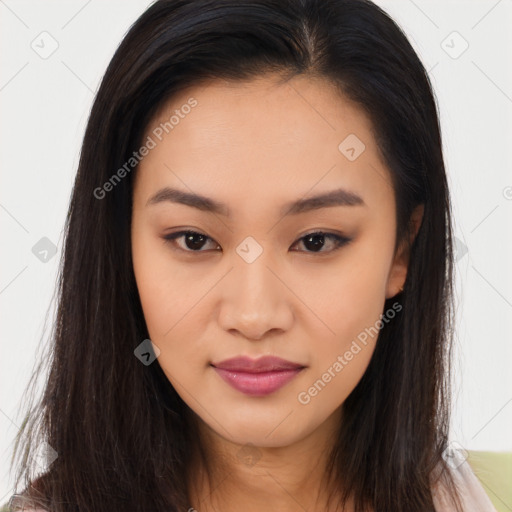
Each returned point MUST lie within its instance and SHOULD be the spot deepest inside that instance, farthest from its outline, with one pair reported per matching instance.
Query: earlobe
(416, 220)
(398, 274)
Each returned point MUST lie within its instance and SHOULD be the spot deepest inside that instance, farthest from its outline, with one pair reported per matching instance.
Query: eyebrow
(337, 197)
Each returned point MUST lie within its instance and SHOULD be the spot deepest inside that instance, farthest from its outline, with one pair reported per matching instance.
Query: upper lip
(263, 364)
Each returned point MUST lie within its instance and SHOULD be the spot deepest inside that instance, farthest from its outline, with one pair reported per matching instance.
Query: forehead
(258, 139)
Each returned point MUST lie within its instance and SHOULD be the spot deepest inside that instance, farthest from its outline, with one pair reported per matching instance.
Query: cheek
(350, 295)
(156, 280)
(169, 297)
(352, 305)
(339, 363)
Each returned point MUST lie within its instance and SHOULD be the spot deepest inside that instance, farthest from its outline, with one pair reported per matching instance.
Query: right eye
(193, 241)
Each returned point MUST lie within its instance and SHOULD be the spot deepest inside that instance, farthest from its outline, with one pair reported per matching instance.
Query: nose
(256, 303)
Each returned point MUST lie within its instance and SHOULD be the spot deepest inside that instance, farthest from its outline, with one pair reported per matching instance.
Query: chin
(263, 432)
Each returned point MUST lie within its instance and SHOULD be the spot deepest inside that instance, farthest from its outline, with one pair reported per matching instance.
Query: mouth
(257, 377)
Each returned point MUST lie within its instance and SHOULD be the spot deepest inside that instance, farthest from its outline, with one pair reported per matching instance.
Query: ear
(398, 272)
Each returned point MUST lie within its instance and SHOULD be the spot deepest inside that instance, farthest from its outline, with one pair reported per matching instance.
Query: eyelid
(339, 240)
(178, 234)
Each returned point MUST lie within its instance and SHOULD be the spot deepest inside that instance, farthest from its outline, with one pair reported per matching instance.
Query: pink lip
(257, 377)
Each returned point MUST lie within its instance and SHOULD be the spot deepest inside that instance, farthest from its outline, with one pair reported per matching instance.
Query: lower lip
(257, 384)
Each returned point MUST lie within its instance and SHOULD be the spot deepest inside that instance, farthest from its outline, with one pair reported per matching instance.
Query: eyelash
(339, 241)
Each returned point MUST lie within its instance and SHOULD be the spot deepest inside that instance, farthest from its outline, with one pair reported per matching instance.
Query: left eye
(317, 239)
(194, 241)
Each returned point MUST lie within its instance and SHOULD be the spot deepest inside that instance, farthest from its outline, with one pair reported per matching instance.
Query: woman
(256, 291)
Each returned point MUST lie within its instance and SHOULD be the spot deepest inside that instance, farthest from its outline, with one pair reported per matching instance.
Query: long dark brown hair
(121, 433)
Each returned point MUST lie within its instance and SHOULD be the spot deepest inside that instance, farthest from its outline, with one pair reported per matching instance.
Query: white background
(45, 104)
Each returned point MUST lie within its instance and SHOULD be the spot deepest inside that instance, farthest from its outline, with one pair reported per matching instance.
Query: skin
(255, 146)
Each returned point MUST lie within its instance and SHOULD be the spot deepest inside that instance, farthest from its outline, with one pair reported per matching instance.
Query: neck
(230, 477)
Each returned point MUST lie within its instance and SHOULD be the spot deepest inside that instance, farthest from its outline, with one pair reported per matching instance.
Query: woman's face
(251, 282)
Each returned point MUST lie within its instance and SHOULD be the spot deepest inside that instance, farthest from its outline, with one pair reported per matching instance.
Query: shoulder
(30, 510)
(16, 503)
(472, 495)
